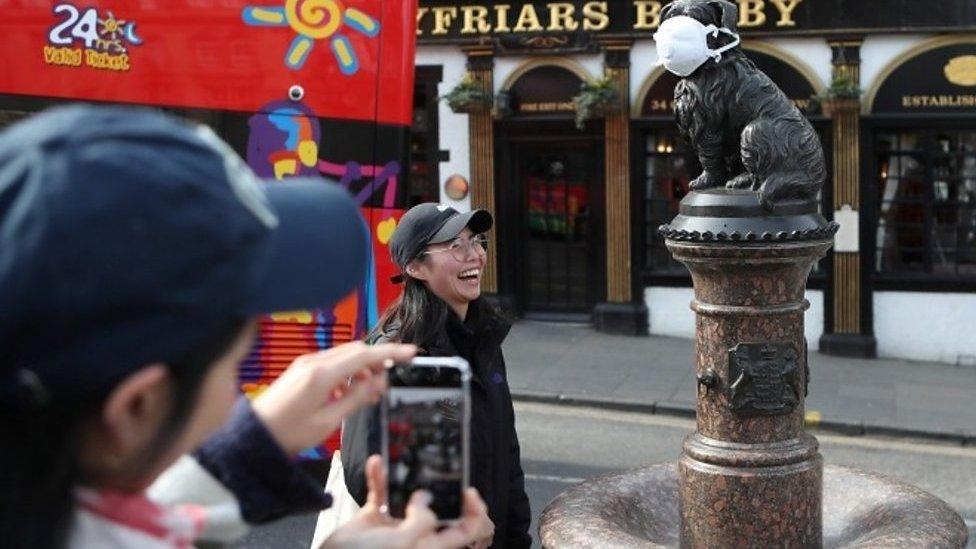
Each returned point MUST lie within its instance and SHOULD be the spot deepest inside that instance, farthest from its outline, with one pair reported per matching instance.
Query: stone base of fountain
(640, 508)
(749, 476)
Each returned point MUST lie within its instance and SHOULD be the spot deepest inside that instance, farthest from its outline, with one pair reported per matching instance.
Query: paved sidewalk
(572, 363)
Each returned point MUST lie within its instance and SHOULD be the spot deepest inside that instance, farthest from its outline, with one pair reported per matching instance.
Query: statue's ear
(729, 11)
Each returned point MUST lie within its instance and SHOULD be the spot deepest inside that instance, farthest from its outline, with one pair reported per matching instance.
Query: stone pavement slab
(575, 364)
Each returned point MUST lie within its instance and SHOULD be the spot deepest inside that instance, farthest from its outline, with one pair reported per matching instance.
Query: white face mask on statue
(682, 44)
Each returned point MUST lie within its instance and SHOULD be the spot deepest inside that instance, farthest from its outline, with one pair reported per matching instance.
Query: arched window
(544, 88)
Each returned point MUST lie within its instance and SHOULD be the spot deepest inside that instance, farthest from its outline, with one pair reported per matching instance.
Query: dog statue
(747, 134)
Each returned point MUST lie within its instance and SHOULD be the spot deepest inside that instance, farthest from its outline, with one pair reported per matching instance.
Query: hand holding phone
(373, 528)
(425, 418)
(310, 399)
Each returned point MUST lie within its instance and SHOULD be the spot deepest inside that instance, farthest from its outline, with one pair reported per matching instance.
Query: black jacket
(496, 469)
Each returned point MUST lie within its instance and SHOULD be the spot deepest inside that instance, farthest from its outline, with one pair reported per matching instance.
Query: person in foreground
(442, 254)
(136, 254)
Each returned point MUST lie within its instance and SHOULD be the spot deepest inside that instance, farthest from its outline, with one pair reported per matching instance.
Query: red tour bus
(297, 87)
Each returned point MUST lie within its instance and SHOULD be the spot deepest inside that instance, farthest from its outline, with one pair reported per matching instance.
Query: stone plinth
(749, 476)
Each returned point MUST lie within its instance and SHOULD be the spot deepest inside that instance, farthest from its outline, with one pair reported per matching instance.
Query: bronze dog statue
(747, 134)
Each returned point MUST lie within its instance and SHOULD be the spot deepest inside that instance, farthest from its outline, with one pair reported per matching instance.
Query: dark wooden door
(560, 225)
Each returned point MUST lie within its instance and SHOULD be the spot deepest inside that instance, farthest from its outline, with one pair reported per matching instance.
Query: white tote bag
(343, 508)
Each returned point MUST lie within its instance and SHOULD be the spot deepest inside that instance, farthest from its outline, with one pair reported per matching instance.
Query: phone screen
(425, 438)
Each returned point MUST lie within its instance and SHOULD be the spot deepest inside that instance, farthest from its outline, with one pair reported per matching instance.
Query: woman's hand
(308, 402)
(373, 528)
(476, 512)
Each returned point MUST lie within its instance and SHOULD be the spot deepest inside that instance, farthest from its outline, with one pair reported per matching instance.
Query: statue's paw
(705, 181)
(744, 181)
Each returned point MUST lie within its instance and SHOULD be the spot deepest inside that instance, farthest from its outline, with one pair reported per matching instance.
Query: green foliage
(467, 96)
(594, 97)
(842, 87)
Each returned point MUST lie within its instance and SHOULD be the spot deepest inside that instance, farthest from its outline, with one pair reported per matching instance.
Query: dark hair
(38, 467)
(417, 316)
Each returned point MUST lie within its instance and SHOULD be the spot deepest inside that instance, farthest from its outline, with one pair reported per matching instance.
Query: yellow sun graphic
(110, 26)
(314, 20)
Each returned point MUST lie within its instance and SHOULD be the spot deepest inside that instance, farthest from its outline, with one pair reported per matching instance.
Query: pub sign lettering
(472, 19)
(460, 21)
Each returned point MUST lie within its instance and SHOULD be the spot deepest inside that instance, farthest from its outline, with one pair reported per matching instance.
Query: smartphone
(425, 422)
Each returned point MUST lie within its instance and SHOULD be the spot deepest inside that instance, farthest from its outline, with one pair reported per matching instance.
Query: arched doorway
(550, 195)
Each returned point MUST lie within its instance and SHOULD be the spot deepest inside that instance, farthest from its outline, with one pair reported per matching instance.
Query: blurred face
(214, 401)
(452, 270)
(115, 445)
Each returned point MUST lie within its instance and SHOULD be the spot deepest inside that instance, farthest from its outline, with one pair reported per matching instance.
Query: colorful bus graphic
(310, 88)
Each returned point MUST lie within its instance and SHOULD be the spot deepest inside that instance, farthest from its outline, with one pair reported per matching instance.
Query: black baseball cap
(431, 223)
(126, 236)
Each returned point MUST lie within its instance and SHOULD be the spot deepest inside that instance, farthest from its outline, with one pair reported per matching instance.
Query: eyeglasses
(460, 247)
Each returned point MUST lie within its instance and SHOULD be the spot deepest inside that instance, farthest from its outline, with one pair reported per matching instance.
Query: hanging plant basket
(468, 97)
(842, 95)
(470, 106)
(610, 106)
(595, 100)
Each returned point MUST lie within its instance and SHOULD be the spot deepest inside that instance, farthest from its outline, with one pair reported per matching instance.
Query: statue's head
(692, 32)
(721, 13)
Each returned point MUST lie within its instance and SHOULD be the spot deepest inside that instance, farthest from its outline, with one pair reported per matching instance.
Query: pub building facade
(577, 208)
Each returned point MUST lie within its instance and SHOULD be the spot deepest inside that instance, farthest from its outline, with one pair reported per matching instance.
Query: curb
(844, 427)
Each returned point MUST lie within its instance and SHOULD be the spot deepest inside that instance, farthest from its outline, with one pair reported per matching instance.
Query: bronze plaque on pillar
(763, 379)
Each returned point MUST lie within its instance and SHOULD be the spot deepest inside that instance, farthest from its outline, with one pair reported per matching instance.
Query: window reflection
(669, 167)
(926, 203)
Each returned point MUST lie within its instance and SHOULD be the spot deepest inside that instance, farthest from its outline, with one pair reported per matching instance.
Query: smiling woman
(433, 246)
(441, 254)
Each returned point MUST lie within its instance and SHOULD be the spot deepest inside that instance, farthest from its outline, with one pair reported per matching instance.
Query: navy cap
(126, 236)
(431, 223)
